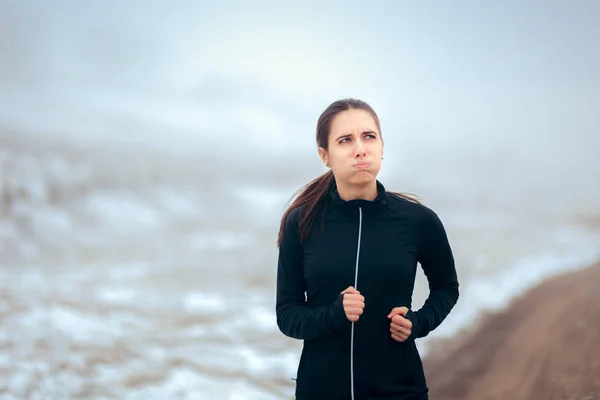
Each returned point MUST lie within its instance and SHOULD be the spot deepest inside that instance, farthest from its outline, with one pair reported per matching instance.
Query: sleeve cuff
(413, 317)
(337, 313)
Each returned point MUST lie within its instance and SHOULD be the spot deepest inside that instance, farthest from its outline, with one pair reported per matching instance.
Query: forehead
(351, 121)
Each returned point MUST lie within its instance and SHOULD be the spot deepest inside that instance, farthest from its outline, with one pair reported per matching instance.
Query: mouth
(362, 165)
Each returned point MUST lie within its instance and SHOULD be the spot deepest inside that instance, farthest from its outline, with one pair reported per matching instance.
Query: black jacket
(395, 235)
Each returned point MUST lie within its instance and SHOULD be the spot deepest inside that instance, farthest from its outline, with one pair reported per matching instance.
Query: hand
(400, 327)
(354, 303)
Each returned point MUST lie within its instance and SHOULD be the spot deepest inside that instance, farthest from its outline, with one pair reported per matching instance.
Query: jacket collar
(350, 207)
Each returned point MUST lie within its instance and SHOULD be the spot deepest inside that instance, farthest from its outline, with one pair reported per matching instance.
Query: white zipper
(355, 287)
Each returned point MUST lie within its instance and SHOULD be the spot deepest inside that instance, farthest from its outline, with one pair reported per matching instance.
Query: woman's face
(355, 147)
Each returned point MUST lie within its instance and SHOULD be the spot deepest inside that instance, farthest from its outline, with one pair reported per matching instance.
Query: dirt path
(545, 346)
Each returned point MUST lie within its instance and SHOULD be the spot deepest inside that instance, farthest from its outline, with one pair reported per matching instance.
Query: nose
(360, 150)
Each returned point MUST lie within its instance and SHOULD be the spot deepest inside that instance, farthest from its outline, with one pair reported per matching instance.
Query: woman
(348, 253)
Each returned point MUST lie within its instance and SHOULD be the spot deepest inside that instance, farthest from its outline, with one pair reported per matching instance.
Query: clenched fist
(354, 303)
(400, 327)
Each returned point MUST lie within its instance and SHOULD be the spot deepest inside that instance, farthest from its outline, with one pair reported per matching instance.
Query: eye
(372, 136)
(343, 140)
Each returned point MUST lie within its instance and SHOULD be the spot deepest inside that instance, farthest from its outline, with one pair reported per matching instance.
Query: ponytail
(313, 196)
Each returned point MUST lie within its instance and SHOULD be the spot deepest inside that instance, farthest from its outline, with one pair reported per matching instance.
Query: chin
(362, 178)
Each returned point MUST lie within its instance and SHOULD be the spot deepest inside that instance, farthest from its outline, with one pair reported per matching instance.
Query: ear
(323, 155)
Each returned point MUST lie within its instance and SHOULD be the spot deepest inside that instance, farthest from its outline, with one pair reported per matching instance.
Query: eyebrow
(349, 134)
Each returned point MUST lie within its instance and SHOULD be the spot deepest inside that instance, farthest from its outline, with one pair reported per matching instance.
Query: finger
(351, 306)
(354, 301)
(400, 330)
(404, 322)
(352, 318)
(398, 338)
(405, 334)
(350, 290)
(354, 297)
(354, 311)
(398, 311)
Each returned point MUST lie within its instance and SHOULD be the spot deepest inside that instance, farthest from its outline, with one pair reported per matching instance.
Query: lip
(362, 164)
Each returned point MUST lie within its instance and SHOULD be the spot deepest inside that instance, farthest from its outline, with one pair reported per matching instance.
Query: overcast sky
(486, 78)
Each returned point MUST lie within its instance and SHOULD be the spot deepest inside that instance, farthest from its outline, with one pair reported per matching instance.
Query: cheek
(376, 150)
(337, 155)
(376, 158)
(377, 164)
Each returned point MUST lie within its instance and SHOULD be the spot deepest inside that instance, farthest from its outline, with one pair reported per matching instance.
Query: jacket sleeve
(437, 261)
(294, 317)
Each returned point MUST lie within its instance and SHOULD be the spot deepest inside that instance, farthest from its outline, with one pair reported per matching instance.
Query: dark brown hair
(314, 194)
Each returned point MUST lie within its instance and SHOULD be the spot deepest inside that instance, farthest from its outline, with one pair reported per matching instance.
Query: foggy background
(148, 149)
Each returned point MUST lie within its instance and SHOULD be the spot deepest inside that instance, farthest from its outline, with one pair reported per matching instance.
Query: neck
(352, 192)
